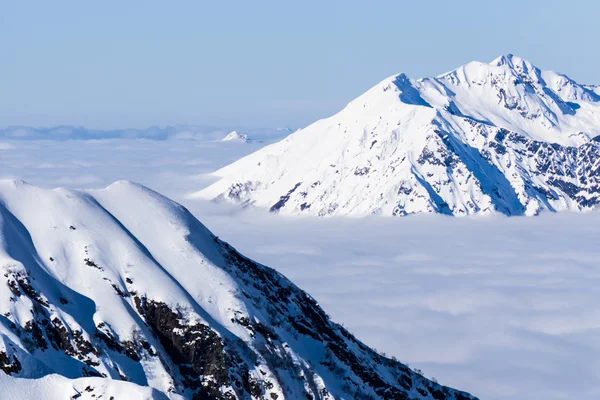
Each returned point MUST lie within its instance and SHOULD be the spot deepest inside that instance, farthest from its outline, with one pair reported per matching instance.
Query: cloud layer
(503, 307)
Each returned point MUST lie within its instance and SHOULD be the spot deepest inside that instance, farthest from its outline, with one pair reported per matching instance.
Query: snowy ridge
(122, 291)
(504, 136)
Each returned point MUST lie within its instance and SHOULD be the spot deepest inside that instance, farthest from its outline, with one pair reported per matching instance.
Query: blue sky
(115, 64)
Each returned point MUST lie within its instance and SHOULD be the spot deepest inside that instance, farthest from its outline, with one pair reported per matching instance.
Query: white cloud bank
(506, 308)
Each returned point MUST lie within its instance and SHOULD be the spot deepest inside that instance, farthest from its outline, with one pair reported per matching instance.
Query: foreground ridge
(122, 292)
(500, 137)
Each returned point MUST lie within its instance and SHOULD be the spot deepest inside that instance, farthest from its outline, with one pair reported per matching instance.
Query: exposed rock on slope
(503, 136)
(121, 290)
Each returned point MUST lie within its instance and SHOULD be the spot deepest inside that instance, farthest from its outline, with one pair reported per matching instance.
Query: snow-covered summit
(502, 136)
(236, 137)
(122, 292)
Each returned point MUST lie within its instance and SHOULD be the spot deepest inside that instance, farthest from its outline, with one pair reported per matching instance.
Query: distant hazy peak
(237, 137)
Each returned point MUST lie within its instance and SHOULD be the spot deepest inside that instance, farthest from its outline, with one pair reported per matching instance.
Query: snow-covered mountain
(503, 136)
(234, 136)
(122, 292)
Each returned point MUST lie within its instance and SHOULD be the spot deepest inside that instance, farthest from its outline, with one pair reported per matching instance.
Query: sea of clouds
(505, 308)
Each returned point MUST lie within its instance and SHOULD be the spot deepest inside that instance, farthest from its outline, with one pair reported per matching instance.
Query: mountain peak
(124, 292)
(481, 138)
(519, 65)
(509, 59)
(236, 137)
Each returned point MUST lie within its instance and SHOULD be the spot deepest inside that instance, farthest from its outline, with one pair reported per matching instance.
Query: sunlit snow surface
(502, 136)
(506, 308)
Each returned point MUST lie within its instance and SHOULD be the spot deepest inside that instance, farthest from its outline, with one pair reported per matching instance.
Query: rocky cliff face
(121, 293)
(503, 137)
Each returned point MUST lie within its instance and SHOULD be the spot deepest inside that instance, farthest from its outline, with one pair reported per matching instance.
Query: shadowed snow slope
(503, 136)
(122, 291)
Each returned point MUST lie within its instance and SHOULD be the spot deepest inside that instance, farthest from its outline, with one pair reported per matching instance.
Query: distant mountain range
(504, 136)
(197, 132)
(120, 293)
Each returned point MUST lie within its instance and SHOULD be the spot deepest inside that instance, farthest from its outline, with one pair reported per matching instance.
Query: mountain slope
(503, 136)
(122, 291)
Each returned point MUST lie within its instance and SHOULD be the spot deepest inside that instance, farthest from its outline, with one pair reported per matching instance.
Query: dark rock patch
(283, 199)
